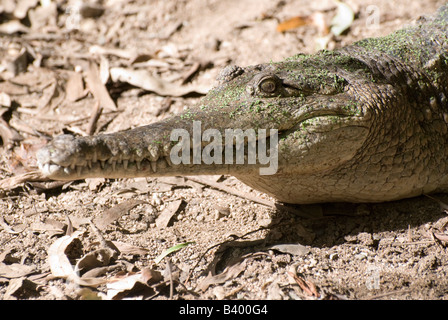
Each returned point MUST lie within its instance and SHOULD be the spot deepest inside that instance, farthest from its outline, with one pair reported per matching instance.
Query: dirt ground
(242, 246)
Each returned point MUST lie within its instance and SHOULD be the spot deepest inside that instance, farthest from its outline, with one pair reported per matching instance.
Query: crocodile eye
(268, 85)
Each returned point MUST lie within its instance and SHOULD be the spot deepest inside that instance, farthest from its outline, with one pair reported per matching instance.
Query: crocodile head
(323, 117)
(311, 100)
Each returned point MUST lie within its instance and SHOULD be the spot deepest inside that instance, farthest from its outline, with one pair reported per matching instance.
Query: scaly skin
(365, 123)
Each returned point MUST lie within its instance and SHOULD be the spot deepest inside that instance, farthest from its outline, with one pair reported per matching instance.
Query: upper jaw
(71, 158)
(111, 168)
(68, 157)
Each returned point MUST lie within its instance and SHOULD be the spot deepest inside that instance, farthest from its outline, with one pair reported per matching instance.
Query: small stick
(94, 119)
(224, 188)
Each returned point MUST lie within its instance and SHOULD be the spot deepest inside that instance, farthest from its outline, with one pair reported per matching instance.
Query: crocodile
(366, 122)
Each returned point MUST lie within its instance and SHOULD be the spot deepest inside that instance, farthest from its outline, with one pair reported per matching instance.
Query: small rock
(219, 292)
(365, 239)
(427, 263)
(155, 199)
(221, 211)
(361, 256)
(334, 256)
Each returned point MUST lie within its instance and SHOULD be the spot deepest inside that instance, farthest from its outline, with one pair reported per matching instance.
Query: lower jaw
(146, 170)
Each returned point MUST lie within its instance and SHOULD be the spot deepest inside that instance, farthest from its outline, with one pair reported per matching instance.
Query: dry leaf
(20, 288)
(221, 186)
(133, 285)
(187, 76)
(22, 7)
(228, 273)
(15, 270)
(121, 53)
(319, 21)
(441, 236)
(53, 227)
(24, 157)
(141, 58)
(75, 87)
(18, 180)
(316, 19)
(47, 94)
(13, 89)
(115, 213)
(95, 183)
(38, 80)
(8, 134)
(60, 265)
(126, 248)
(5, 100)
(97, 88)
(15, 60)
(152, 63)
(165, 184)
(104, 70)
(6, 227)
(91, 10)
(165, 216)
(12, 27)
(88, 294)
(94, 259)
(6, 255)
(343, 19)
(143, 79)
(293, 23)
(443, 206)
(43, 15)
(7, 6)
(307, 286)
(294, 249)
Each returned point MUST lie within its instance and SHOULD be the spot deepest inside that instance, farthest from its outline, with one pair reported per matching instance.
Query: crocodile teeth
(73, 166)
(153, 165)
(89, 164)
(139, 164)
(168, 160)
(102, 163)
(95, 157)
(79, 170)
(153, 153)
(113, 163)
(125, 164)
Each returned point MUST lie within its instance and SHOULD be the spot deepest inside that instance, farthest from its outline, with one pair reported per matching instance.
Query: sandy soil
(368, 251)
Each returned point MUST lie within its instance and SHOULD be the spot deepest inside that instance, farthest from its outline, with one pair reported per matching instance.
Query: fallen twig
(15, 181)
(91, 127)
(307, 286)
(234, 237)
(97, 88)
(6, 227)
(240, 194)
(383, 295)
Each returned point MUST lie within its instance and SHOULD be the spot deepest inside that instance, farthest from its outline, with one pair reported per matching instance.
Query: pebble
(219, 292)
(361, 256)
(334, 256)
